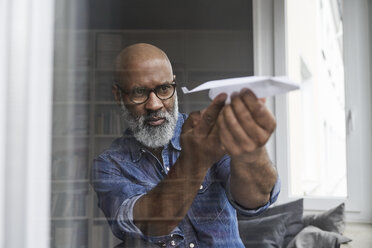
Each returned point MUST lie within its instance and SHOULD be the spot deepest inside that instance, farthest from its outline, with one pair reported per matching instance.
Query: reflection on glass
(71, 129)
(317, 112)
(202, 41)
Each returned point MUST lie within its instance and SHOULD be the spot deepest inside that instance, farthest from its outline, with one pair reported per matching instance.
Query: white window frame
(270, 59)
(26, 65)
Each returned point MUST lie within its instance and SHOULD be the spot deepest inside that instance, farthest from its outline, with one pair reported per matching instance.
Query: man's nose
(153, 103)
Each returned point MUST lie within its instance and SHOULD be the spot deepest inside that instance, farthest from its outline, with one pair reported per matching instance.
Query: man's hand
(162, 208)
(199, 137)
(244, 127)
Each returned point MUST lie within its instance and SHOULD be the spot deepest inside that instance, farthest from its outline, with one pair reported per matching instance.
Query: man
(175, 180)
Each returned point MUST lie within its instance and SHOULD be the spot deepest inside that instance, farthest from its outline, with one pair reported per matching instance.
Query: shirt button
(201, 187)
(162, 244)
(191, 245)
(173, 243)
(167, 168)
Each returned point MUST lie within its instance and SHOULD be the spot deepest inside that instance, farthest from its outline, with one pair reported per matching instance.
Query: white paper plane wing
(261, 86)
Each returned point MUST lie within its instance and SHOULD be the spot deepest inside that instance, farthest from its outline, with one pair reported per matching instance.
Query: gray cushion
(265, 232)
(313, 237)
(294, 223)
(332, 220)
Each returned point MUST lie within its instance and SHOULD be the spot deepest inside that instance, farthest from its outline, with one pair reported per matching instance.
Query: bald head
(144, 66)
(140, 58)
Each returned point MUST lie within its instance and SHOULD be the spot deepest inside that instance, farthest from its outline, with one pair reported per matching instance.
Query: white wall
(370, 33)
(357, 52)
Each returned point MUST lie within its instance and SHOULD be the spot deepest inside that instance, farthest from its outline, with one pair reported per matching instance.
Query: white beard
(152, 136)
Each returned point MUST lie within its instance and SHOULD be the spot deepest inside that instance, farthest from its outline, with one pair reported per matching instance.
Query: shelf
(71, 181)
(69, 218)
(73, 69)
(105, 103)
(107, 135)
(99, 69)
(70, 136)
(72, 102)
(99, 219)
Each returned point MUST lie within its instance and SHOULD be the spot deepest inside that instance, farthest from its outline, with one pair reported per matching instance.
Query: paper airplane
(260, 85)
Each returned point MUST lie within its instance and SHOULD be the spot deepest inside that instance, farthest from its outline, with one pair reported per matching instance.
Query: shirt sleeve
(117, 196)
(224, 174)
(251, 212)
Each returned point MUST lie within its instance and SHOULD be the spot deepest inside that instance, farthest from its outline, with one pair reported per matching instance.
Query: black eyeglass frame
(173, 84)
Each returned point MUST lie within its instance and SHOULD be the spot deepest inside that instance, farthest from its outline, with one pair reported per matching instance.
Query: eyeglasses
(140, 95)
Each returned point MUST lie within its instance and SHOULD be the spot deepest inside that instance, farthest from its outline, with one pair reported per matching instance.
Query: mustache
(156, 115)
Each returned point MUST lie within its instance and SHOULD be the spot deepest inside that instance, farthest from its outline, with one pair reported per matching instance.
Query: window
(316, 113)
(357, 66)
(33, 151)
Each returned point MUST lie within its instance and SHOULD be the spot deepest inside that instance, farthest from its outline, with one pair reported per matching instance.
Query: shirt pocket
(209, 204)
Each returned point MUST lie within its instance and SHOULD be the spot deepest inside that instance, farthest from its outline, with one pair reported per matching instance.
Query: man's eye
(139, 91)
(164, 88)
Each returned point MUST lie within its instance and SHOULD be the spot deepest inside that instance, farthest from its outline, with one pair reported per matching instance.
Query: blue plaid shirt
(127, 171)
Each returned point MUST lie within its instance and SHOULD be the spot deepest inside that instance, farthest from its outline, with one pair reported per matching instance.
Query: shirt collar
(175, 141)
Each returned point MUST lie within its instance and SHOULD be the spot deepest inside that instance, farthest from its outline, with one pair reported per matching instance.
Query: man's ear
(116, 92)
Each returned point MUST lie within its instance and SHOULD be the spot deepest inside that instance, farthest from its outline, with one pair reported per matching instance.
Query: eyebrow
(165, 83)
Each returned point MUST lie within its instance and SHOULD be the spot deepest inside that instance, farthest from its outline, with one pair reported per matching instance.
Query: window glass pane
(317, 112)
(71, 135)
(203, 40)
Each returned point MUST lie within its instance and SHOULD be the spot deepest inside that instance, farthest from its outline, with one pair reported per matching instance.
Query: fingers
(226, 138)
(245, 131)
(245, 124)
(209, 116)
(199, 137)
(191, 121)
(238, 114)
(261, 115)
(215, 139)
